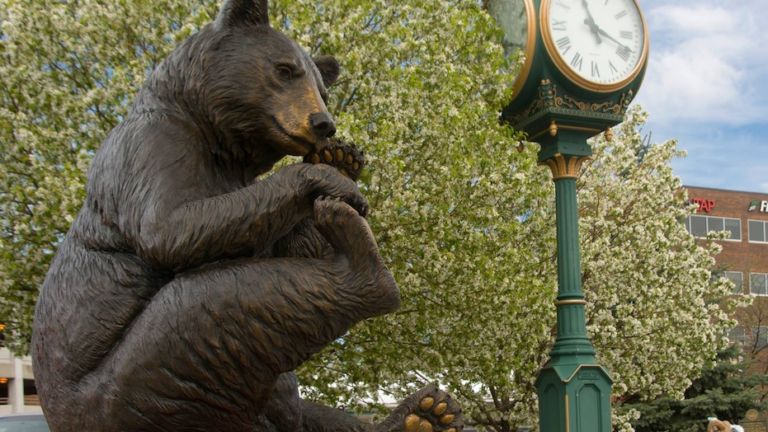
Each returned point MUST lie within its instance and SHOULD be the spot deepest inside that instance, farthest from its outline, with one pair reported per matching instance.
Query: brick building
(744, 258)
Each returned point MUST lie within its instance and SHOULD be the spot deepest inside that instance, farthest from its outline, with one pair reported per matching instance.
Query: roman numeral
(624, 52)
(595, 69)
(613, 68)
(564, 45)
(627, 35)
(558, 25)
(577, 61)
(621, 14)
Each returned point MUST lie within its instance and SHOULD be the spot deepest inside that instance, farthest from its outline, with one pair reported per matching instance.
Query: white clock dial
(517, 19)
(600, 41)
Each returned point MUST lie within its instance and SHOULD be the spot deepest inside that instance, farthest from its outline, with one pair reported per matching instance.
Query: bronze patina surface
(190, 286)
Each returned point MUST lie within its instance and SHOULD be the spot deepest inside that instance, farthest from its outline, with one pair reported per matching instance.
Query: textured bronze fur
(189, 288)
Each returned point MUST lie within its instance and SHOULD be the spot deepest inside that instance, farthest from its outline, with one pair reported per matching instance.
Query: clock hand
(590, 21)
(593, 27)
(603, 32)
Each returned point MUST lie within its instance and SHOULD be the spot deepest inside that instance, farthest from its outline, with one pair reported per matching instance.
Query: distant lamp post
(584, 62)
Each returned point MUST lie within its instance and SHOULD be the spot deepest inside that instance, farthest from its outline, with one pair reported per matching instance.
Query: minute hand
(603, 32)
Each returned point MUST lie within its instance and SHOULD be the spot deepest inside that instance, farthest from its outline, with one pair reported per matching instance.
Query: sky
(707, 86)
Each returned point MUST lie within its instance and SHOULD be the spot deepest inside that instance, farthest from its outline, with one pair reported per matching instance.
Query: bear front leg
(178, 233)
(305, 240)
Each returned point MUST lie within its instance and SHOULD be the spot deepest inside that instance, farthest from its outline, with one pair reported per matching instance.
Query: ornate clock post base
(574, 391)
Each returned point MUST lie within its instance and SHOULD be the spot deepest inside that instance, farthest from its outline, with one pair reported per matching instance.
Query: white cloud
(693, 19)
(707, 62)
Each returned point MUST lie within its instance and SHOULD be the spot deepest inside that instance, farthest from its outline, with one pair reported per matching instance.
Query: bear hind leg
(356, 253)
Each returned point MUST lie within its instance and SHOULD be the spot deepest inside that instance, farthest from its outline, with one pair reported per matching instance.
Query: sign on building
(758, 205)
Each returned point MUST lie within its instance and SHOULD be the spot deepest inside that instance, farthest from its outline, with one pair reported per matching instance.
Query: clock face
(512, 16)
(601, 42)
(517, 18)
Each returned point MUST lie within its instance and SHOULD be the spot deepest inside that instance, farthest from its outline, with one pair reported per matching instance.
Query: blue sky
(707, 87)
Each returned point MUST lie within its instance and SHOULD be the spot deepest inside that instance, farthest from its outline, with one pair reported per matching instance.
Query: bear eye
(285, 72)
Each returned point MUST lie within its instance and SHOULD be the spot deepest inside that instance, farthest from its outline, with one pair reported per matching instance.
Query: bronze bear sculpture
(189, 288)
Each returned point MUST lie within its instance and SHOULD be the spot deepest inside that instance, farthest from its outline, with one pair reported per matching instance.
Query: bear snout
(322, 125)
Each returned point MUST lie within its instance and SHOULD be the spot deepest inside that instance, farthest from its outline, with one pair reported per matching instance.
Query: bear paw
(428, 410)
(345, 230)
(436, 412)
(357, 257)
(345, 157)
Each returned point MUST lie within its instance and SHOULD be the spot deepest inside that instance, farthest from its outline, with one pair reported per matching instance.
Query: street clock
(518, 19)
(584, 61)
(600, 45)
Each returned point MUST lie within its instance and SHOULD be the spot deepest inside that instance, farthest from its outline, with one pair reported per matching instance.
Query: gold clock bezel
(530, 49)
(577, 79)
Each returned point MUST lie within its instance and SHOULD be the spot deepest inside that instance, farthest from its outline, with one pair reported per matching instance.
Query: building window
(4, 392)
(756, 337)
(758, 231)
(734, 227)
(737, 335)
(760, 336)
(758, 283)
(738, 281)
(699, 226)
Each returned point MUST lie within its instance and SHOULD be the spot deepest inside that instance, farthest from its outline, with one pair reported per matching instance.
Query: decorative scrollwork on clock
(550, 97)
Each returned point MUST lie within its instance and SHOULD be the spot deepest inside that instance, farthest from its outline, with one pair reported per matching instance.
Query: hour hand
(595, 30)
(590, 21)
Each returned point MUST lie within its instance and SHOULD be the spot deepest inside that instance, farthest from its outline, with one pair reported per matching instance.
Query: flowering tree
(461, 211)
(725, 390)
(67, 73)
(752, 334)
(655, 314)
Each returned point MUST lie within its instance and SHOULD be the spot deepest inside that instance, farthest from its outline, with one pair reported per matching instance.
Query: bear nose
(322, 125)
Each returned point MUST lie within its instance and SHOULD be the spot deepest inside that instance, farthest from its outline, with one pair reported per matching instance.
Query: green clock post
(584, 62)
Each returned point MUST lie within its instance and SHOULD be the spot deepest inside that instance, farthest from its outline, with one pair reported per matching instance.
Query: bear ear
(329, 69)
(238, 12)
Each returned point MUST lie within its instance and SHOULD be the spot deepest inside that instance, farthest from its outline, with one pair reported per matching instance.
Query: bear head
(256, 90)
(281, 91)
